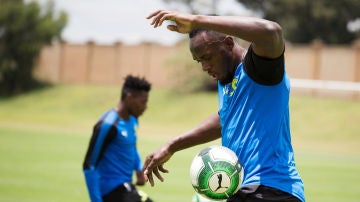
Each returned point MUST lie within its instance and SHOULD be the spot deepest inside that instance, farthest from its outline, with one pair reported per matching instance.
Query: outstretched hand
(183, 22)
(154, 163)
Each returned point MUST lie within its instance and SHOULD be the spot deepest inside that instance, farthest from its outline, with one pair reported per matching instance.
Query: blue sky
(108, 21)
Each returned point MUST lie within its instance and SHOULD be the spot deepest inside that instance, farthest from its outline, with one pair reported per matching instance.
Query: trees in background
(305, 20)
(24, 29)
(333, 22)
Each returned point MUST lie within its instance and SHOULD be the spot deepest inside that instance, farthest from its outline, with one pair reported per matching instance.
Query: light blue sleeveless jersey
(255, 125)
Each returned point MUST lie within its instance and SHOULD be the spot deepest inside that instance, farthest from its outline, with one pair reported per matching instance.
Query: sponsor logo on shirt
(230, 88)
(124, 133)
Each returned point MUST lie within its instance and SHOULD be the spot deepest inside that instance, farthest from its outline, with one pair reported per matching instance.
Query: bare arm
(265, 35)
(206, 131)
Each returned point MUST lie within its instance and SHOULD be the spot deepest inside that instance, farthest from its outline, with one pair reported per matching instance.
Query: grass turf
(44, 136)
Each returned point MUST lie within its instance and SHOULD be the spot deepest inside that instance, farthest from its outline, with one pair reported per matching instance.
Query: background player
(112, 156)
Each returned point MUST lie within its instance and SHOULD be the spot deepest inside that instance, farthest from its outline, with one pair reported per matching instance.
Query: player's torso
(119, 155)
(254, 119)
(121, 149)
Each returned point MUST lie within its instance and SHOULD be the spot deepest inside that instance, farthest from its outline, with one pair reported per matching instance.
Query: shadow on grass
(15, 89)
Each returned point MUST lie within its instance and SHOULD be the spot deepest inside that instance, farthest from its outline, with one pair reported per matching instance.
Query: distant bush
(24, 29)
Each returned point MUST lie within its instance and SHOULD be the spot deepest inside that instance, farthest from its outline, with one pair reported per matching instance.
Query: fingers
(157, 174)
(151, 167)
(162, 169)
(172, 28)
(149, 177)
(147, 162)
(165, 16)
(148, 174)
(159, 17)
(153, 14)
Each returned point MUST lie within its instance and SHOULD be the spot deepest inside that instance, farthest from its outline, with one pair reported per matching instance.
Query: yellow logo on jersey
(233, 86)
(230, 89)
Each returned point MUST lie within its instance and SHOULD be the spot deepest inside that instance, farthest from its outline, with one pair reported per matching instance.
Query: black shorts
(260, 193)
(125, 193)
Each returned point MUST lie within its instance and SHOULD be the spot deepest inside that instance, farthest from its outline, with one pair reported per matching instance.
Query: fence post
(61, 73)
(316, 46)
(356, 50)
(89, 61)
(147, 58)
(117, 61)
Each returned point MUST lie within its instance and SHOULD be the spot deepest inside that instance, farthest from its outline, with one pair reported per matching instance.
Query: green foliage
(24, 29)
(306, 20)
(187, 74)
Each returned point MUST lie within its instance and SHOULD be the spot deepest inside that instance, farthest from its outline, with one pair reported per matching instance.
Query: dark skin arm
(265, 35)
(206, 131)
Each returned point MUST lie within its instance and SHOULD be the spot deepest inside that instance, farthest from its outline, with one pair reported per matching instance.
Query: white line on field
(325, 84)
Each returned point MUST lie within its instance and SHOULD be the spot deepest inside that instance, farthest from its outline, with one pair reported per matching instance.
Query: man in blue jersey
(253, 90)
(112, 156)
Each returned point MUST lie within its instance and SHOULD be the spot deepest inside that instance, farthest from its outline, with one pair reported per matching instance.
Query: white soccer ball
(216, 173)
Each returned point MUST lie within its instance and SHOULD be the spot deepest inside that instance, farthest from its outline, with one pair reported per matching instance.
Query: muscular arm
(206, 131)
(266, 36)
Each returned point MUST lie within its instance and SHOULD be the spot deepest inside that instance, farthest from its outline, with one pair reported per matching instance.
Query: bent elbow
(274, 31)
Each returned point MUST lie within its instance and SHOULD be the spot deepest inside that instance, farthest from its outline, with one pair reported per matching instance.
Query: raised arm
(265, 35)
(206, 131)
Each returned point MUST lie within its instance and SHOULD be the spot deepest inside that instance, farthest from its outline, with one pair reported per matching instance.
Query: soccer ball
(216, 173)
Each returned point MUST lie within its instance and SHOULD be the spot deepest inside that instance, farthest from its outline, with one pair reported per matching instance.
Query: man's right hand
(154, 163)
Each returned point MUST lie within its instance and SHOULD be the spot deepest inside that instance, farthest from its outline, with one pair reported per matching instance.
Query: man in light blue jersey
(112, 156)
(253, 90)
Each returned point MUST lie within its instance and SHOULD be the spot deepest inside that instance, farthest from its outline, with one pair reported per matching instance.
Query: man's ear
(229, 41)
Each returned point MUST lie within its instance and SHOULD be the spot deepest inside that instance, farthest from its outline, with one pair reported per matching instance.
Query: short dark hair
(134, 84)
(212, 33)
(195, 32)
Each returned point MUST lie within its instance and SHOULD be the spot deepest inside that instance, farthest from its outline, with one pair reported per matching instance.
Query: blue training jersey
(112, 156)
(255, 125)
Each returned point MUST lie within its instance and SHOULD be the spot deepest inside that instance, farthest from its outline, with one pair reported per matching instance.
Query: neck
(121, 110)
(239, 55)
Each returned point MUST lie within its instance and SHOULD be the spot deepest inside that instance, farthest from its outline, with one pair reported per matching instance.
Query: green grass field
(44, 135)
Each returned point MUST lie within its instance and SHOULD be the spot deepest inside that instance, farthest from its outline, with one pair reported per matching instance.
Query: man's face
(215, 56)
(137, 102)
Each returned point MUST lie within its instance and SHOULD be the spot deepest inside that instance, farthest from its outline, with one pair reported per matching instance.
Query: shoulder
(109, 117)
(263, 70)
